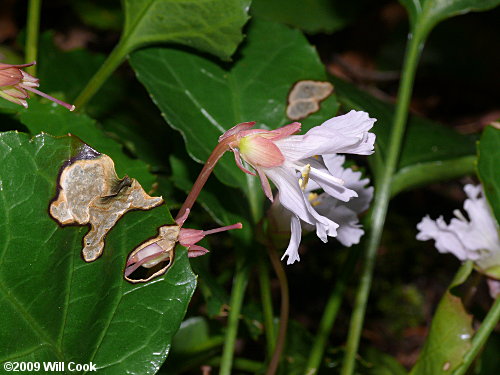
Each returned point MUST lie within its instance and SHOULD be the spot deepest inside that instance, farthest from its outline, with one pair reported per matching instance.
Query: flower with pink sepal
(15, 84)
(291, 161)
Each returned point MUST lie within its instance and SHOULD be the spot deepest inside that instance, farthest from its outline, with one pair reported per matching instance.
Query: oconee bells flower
(345, 214)
(474, 238)
(292, 161)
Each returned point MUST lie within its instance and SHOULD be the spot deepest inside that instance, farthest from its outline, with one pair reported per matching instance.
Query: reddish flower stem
(284, 310)
(223, 229)
(214, 157)
(71, 107)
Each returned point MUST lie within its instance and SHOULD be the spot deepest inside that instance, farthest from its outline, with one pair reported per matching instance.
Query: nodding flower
(343, 213)
(292, 162)
(474, 238)
(15, 84)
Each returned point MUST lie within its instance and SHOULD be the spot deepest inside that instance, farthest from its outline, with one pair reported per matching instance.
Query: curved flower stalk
(15, 84)
(475, 239)
(345, 214)
(294, 162)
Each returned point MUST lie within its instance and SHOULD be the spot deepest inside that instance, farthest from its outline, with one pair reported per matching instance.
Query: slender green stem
(331, 310)
(237, 294)
(416, 175)
(254, 198)
(267, 304)
(284, 311)
(480, 337)
(241, 364)
(32, 31)
(114, 60)
(381, 202)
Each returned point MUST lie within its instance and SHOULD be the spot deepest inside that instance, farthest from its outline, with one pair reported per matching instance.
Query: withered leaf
(90, 192)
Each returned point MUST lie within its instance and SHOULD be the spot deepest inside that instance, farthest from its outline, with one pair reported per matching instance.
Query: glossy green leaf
(488, 167)
(212, 26)
(449, 338)
(425, 14)
(56, 307)
(430, 151)
(312, 16)
(202, 99)
(58, 121)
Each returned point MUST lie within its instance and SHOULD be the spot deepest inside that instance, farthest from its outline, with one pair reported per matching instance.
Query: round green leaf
(56, 307)
(212, 26)
(449, 338)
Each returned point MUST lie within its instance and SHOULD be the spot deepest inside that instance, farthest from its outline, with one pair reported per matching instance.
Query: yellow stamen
(305, 176)
(313, 199)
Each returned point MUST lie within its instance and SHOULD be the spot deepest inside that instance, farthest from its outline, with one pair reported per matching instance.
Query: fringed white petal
(292, 251)
(447, 240)
(352, 180)
(343, 134)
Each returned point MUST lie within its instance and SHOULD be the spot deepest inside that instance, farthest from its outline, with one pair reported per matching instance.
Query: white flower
(292, 162)
(475, 239)
(345, 214)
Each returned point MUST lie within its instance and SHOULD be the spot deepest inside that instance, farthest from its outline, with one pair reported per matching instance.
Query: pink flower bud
(15, 84)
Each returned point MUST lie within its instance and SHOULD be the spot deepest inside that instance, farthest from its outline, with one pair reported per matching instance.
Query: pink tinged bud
(260, 152)
(237, 159)
(14, 82)
(265, 184)
(189, 237)
(10, 76)
(236, 129)
(181, 219)
(284, 131)
(147, 257)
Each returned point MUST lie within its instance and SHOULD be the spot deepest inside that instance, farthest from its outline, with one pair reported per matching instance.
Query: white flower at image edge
(292, 162)
(474, 239)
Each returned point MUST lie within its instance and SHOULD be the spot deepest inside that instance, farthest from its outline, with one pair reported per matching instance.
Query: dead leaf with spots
(305, 97)
(90, 192)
